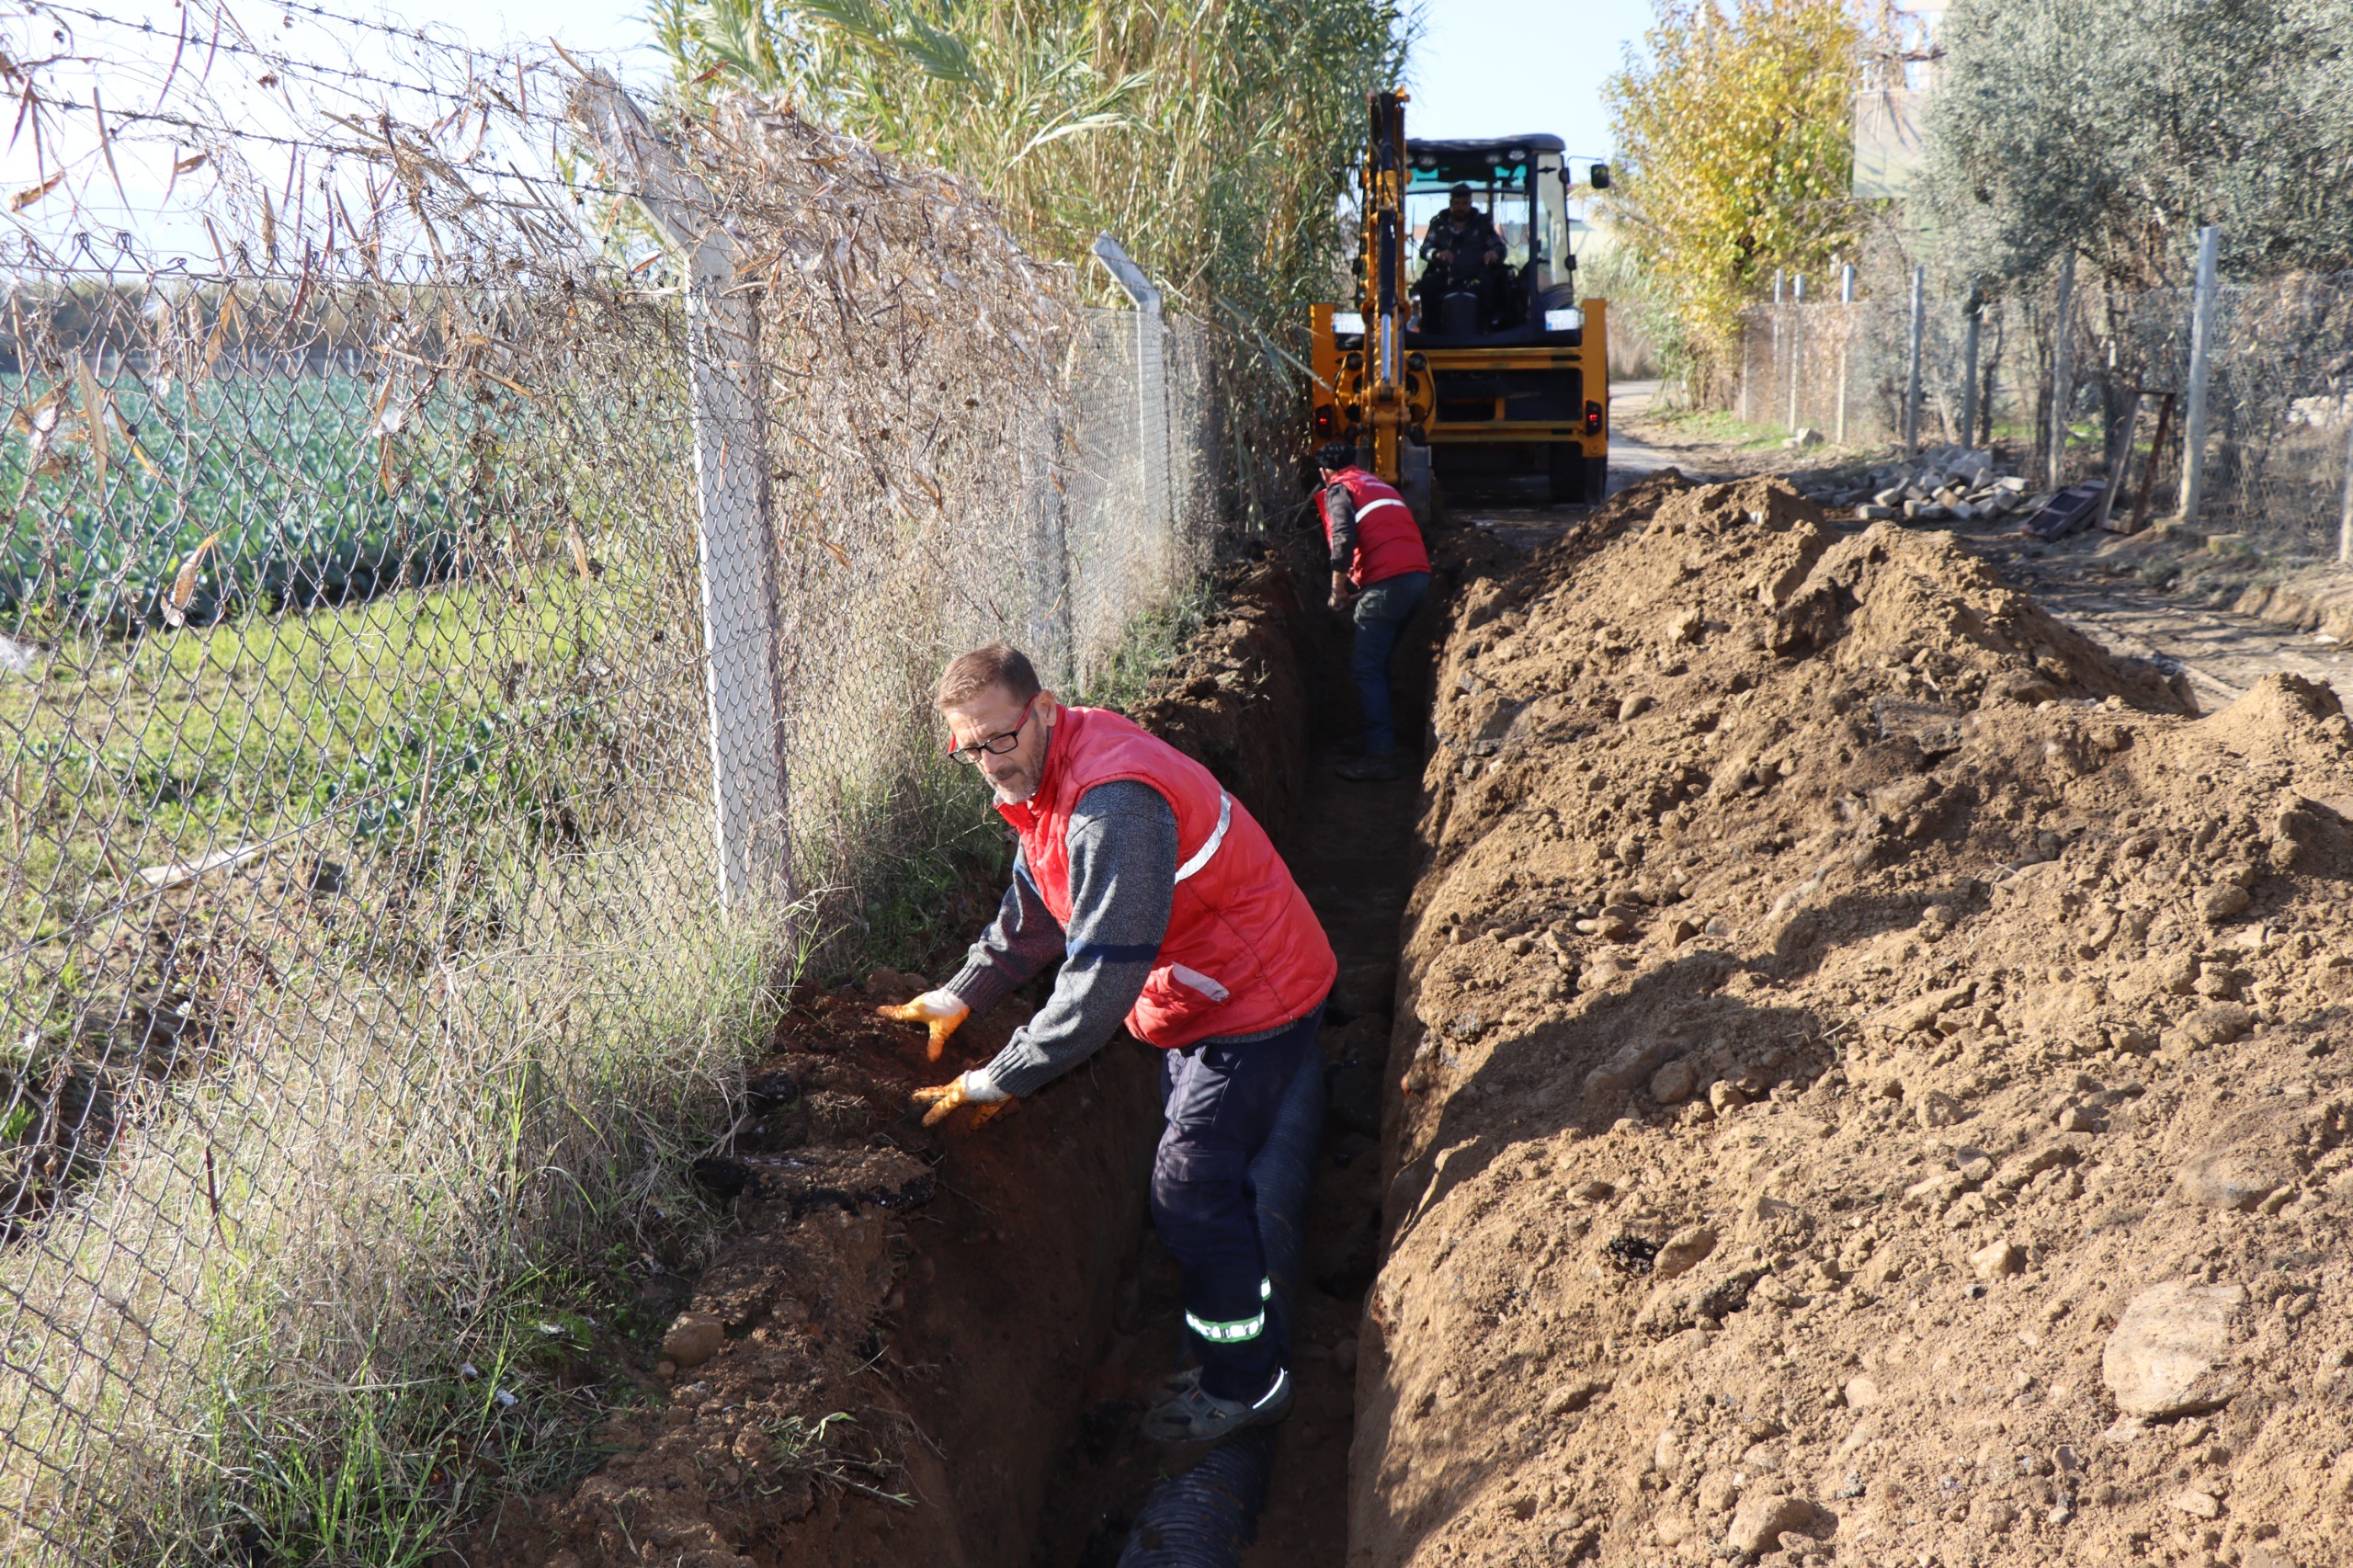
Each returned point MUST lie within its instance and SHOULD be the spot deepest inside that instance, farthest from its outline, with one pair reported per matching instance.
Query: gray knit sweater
(1122, 881)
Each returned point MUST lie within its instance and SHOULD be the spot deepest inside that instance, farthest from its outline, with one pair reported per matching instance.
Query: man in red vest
(1171, 911)
(1380, 573)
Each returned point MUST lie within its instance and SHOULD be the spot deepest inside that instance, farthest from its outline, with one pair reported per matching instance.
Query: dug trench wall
(1878, 1077)
(887, 1362)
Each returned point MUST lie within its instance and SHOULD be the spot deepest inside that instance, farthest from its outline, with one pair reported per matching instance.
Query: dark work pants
(1382, 612)
(1221, 1097)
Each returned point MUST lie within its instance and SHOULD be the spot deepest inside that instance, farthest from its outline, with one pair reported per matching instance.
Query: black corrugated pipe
(1204, 1517)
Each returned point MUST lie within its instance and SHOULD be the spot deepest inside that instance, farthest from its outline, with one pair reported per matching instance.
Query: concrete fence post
(2062, 370)
(1151, 381)
(2201, 359)
(734, 542)
(1919, 340)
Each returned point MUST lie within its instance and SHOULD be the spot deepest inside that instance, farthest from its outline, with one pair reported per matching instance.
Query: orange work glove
(975, 1089)
(942, 1010)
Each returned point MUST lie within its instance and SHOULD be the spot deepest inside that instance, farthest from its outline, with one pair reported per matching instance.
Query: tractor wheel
(1566, 471)
(1415, 484)
(1596, 481)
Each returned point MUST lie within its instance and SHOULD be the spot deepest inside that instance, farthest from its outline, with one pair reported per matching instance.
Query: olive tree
(2117, 128)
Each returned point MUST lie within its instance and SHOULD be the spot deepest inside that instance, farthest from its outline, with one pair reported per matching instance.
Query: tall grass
(419, 1203)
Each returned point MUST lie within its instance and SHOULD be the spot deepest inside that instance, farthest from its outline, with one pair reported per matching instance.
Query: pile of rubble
(1943, 485)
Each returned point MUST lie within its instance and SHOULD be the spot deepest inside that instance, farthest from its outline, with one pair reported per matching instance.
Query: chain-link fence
(458, 656)
(2279, 386)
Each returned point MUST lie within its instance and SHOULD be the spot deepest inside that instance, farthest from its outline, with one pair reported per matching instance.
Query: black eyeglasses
(996, 745)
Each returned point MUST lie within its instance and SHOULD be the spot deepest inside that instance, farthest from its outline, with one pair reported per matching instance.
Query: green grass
(379, 1328)
(1149, 646)
(1715, 425)
(129, 753)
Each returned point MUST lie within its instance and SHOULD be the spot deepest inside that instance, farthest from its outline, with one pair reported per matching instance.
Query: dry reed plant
(1216, 142)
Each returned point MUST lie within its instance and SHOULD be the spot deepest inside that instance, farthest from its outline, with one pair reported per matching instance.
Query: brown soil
(1837, 993)
(898, 1302)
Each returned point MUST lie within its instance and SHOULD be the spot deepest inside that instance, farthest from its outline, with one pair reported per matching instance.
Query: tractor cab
(1468, 298)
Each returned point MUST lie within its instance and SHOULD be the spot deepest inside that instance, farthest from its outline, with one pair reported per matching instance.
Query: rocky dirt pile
(1877, 1078)
(1942, 484)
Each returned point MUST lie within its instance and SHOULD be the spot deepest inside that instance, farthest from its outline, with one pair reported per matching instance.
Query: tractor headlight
(1570, 320)
(1347, 323)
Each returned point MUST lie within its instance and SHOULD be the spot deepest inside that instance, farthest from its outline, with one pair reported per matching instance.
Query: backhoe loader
(1481, 367)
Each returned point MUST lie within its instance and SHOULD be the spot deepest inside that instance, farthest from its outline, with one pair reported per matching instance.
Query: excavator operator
(1459, 253)
(1169, 908)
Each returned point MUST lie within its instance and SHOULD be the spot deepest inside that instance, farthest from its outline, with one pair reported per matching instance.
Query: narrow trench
(1351, 849)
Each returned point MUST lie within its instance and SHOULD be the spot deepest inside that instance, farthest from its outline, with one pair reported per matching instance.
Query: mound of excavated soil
(1877, 1078)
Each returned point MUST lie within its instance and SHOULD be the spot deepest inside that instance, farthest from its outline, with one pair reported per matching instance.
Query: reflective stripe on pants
(1221, 1098)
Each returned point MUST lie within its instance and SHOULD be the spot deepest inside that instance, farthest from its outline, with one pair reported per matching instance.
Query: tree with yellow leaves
(1734, 152)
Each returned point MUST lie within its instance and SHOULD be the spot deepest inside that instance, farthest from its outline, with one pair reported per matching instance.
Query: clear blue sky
(1505, 67)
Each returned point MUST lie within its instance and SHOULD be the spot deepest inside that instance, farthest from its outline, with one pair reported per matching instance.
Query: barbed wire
(281, 60)
(372, 152)
(464, 149)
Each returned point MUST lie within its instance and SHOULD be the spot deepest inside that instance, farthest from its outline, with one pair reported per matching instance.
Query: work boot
(1198, 1417)
(1176, 1385)
(1369, 770)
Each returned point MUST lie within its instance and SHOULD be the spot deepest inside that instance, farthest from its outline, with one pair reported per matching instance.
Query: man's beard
(1016, 789)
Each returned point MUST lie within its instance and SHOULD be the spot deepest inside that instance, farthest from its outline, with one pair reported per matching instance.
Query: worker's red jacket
(1388, 543)
(1244, 954)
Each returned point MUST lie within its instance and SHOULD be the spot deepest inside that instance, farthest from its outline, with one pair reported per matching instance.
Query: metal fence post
(1846, 340)
(2201, 358)
(1976, 317)
(735, 544)
(1151, 393)
(1912, 381)
(2062, 386)
(2345, 518)
(1797, 349)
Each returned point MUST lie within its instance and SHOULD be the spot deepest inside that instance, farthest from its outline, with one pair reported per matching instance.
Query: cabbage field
(286, 491)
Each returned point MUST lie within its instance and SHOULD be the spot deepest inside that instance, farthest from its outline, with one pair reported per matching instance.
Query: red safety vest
(1388, 543)
(1243, 953)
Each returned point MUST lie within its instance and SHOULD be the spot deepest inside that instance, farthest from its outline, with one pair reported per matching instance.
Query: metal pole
(2063, 389)
(2345, 519)
(1151, 398)
(2202, 352)
(1919, 335)
(1747, 381)
(1797, 350)
(1846, 340)
(734, 542)
(1969, 383)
